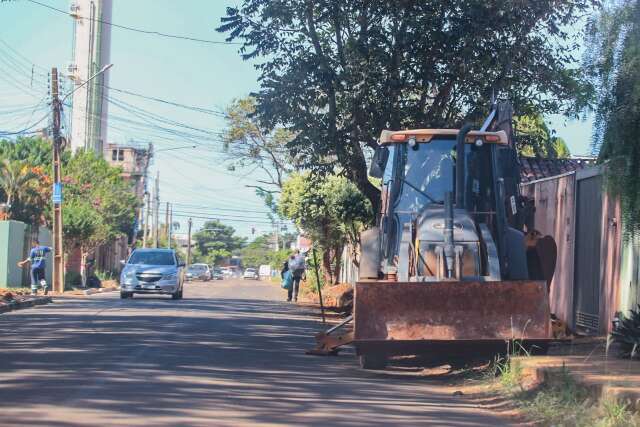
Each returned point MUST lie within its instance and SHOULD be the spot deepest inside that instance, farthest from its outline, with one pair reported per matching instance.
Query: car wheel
(125, 295)
(175, 295)
(181, 291)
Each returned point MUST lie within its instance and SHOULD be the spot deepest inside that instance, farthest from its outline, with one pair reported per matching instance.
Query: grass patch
(560, 401)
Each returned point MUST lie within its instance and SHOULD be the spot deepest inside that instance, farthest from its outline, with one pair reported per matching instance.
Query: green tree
(27, 162)
(612, 61)
(99, 205)
(16, 182)
(215, 242)
(247, 143)
(534, 138)
(261, 252)
(330, 211)
(336, 73)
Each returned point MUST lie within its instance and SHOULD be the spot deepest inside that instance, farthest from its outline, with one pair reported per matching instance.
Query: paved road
(230, 353)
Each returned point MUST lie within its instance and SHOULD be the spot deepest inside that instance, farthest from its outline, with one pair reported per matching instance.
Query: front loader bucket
(399, 318)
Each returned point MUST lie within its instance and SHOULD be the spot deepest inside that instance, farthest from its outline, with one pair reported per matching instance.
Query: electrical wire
(138, 30)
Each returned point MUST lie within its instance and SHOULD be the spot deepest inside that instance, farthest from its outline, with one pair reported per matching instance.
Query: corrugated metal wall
(596, 251)
(555, 199)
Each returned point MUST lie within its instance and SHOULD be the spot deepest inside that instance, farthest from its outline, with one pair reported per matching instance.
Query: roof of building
(534, 168)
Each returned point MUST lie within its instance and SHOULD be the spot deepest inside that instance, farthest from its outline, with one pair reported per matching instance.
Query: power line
(172, 103)
(26, 130)
(138, 30)
(190, 206)
(222, 219)
(223, 215)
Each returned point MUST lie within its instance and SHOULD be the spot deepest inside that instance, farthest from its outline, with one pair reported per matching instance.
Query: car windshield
(197, 267)
(152, 258)
(250, 270)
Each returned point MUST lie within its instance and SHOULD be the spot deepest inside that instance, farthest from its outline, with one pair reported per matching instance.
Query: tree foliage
(248, 144)
(331, 211)
(261, 252)
(215, 242)
(535, 139)
(99, 205)
(613, 63)
(25, 179)
(336, 73)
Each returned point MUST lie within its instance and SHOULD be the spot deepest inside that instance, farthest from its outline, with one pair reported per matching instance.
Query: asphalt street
(230, 353)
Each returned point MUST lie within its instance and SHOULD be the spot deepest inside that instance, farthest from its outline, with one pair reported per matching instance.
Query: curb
(535, 376)
(19, 305)
(100, 290)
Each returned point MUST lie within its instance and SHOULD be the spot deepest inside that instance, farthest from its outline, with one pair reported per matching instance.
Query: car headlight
(170, 276)
(129, 275)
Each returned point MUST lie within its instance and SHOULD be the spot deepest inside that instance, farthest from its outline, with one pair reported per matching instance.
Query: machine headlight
(170, 276)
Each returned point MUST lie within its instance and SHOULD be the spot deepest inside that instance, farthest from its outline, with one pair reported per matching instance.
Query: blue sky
(191, 73)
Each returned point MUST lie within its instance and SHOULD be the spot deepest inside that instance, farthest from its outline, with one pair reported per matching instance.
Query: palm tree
(16, 179)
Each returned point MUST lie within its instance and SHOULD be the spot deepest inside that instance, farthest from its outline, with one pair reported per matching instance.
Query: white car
(250, 273)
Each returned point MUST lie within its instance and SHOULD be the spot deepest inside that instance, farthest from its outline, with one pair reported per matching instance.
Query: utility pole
(156, 212)
(277, 235)
(145, 235)
(189, 243)
(58, 249)
(170, 232)
(166, 223)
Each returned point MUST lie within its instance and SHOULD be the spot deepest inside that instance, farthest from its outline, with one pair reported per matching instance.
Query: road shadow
(198, 361)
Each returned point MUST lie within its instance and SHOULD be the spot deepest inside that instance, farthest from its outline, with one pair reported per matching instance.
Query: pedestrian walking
(298, 268)
(38, 267)
(287, 277)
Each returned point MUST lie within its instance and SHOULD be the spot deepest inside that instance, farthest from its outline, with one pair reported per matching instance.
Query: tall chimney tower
(91, 52)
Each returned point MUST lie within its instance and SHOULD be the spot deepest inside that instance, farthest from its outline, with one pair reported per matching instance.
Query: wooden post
(315, 265)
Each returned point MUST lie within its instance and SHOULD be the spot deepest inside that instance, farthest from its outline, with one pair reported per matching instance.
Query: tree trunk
(338, 260)
(83, 267)
(326, 266)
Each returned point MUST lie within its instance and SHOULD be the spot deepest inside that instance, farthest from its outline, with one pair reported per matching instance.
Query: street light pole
(156, 212)
(170, 232)
(145, 235)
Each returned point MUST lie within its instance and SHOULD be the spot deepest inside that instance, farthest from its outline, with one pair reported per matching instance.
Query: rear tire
(125, 295)
(373, 361)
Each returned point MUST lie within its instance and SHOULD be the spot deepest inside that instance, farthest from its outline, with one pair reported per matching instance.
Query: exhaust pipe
(460, 170)
(449, 245)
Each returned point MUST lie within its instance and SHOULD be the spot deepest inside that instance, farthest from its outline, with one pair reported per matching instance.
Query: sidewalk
(10, 301)
(586, 359)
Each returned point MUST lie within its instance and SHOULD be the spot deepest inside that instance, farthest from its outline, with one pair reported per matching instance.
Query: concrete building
(91, 52)
(134, 160)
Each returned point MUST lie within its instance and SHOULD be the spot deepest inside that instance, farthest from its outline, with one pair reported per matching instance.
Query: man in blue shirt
(38, 265)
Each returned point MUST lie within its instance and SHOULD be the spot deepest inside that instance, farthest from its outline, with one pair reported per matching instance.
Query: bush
(627, 333)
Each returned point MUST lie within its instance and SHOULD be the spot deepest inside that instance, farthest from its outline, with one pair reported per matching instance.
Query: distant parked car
(152, 271)
(250, 273)
(198, 272)
(217, 273)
